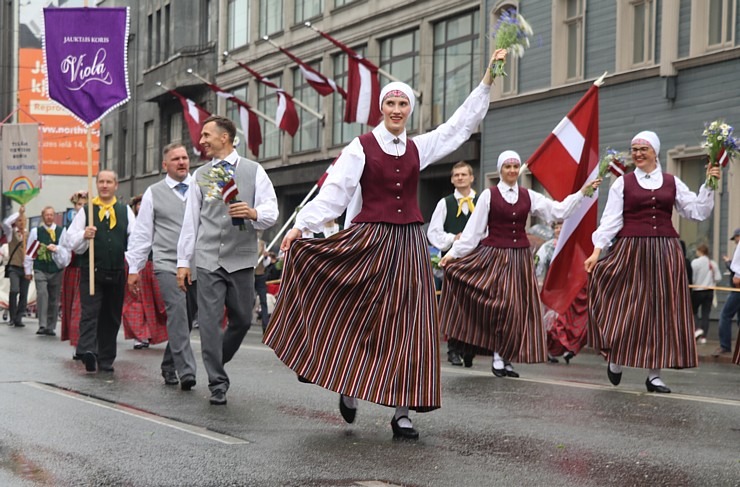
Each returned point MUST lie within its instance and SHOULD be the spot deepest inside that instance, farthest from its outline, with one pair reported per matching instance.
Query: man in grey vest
(447, 223)
(222, 238)
(45, 260)
(100, 317)
(157, 230)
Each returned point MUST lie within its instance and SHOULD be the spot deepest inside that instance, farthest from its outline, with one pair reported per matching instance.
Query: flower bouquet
(614, 162)
(511, 32)
(220, 185)
(721, 146)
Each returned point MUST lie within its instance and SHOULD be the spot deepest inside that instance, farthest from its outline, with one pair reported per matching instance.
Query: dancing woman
(490, 300)
(640, 312)
(356, 312)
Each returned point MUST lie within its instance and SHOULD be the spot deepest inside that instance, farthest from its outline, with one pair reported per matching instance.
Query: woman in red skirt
(71, 284)
(640, 312)
(490, 300)
(356, 312)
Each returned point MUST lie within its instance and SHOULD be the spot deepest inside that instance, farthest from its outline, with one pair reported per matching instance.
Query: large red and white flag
(363, 86)
(568, 158)
(194, 117)
(323, 85)
(248, 119)
(287, 115)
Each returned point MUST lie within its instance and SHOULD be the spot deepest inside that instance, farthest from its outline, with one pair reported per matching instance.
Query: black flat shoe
(552, 360)
(348, 413)
(303, 379)
(454, 358)
(656, 388)
(187, 383)
(511, 373)
(468, 360)
(90, 361)
(170, 377)
(498, 372)
(567, 356)
(403, 433)
(218, 398)
(614, 378)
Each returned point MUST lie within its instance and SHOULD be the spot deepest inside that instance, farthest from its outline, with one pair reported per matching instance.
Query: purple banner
(85, 53)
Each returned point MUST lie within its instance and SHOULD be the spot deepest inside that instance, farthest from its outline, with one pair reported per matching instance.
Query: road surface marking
(140, 414)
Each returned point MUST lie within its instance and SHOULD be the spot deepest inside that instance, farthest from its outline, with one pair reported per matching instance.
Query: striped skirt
(144, 316)
(356, 314)
(640, 311)
(490, 302)
(71, 304)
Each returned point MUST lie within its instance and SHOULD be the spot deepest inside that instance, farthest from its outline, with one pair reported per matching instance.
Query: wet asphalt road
(557, 425)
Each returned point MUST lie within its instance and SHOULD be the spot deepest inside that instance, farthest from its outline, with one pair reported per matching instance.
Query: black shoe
(568, 356)
(614, 378)
(170, 377)
(41, 331)
(90, 361)
(19, 324)
(511, 373)
(107, 368)
(468, 360)
(552, 359)
(218, 397)
(303, 379)
(348, 413)
(75, 356)
(50, 333)
(403, 433)
(454, 358)
(656, 388)
(498, 372)
(187, 383)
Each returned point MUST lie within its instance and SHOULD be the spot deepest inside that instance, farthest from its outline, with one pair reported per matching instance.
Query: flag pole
(382, 71)
(254, 110)
(90, 221)
(298, 102)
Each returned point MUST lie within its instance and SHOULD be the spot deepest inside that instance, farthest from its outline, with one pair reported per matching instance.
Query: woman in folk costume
(490, 301)
(144, 318)
(640, 311)
(71, 283)
(356, 312)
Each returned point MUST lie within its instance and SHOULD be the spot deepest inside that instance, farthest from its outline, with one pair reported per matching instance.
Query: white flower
(525, 25)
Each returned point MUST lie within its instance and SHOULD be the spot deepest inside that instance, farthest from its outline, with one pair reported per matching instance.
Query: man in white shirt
(448, 221)
(732, 305)
(157, 231)
(223, 240)
(44, 262)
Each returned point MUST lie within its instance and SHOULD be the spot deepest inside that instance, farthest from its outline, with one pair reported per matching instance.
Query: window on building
(343, 132)
(636, 33)
(308, 136)
(150, 38)
(399, 56)
(150, 145)
(308, 9)
(342, 3)
(108, 148)
(167, 28)
(508, 85)
(712, 25)
(175, 127)
(456, 63)
(568, 45)
(271, 17)
(271, 135)
(125, 166)
(158, 42)
(232, 113)
(238, 19)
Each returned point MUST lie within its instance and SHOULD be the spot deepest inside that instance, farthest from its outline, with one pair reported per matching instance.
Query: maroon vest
(389, 185)
(507, 222)
(647, 212)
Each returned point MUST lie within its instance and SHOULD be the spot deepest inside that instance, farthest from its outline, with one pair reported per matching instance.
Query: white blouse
(688, 204)
(341, 189)
(542, 207)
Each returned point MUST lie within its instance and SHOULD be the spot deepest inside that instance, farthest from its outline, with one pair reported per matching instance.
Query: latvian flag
(286, 116)
(194, 117)
(617, 168)
(363, 86)
(323, 85)
(33, 250)
(229, 191)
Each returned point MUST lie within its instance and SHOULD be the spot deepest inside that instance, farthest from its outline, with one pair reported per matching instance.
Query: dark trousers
(702, 300)
(18, 294)
(100, 316)
(260, 287)
(730, 309)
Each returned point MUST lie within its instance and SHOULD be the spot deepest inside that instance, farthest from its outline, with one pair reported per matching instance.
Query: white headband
(508, 156)
(651, 138)
(403, 88)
